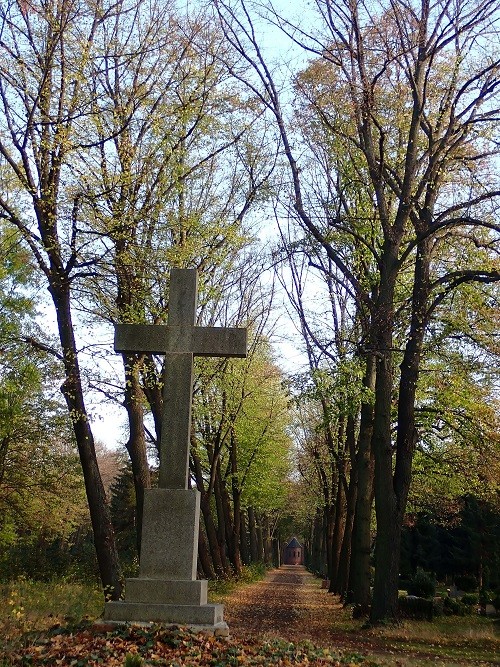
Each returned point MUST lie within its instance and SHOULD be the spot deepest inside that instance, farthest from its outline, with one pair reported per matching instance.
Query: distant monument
(167, 590)
(293, 553)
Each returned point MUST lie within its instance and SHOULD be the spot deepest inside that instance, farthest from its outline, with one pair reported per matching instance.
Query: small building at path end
(293, 553)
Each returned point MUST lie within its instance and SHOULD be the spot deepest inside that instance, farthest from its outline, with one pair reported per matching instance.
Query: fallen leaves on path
(287, 619)
(289, 603)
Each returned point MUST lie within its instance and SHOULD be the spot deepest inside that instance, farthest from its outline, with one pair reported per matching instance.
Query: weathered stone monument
(167, 590)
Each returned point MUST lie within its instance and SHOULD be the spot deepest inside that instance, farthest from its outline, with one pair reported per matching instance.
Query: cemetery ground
(284, 619)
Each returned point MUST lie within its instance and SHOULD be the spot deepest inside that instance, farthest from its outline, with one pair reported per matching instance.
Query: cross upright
(179, 340)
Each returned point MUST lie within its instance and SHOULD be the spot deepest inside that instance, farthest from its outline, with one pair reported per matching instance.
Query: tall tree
(240, 447)
(419, 103)
(165, 126)
(45, 51)
(41, 488)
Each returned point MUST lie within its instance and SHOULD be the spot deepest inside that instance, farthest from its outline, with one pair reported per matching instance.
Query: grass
(27, 605)
(218, 589)
(34, 606)
(453, 638)
(445, 642)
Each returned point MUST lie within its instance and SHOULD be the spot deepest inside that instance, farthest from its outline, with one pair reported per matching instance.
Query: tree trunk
(252, 527)
(218, 558)
(385, 589)
(267, 542)
(226, 530)
(136, 444)
(392, 505)
(222, 529)
(234, 542)
(151, 386)
(217, 552)
(342, 580)
(316, 543)
(244, 539)
(260, 539)
(359, 575)
(234, 536)
(339, 527)
(276, 551)
(327, 541)
(410, 366)
(204, 560)
(104, 538)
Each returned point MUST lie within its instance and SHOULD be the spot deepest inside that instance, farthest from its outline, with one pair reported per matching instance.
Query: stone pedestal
(167, 590)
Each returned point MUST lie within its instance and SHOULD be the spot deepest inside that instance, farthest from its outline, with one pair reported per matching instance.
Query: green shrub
(416, 607)
(466, 583)
(422, 584)
(454, 607)
(253, 572)
(218, 588)
(49, 559)
(404, 584)
(470, 599)
(485, 597)
(438, 606)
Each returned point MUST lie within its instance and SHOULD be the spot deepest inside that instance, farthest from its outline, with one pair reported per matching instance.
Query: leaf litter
(285, 620)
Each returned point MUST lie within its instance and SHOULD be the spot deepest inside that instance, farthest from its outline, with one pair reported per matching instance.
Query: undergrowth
(220, 588)
(30, 606)
(453, 638)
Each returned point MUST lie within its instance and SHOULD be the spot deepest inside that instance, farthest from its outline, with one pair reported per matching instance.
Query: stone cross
(179, 340)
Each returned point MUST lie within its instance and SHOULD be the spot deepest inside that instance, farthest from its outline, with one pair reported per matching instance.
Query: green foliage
(457, 543)
(419, 608)
(458, 411)
(42, 557)
(218, 588)
(27, 605)
(454, 607)
(470, 599)
(466, 583)
(343, 95)
(242, 413)
(169, 186)
(422, 584)
(41, 491)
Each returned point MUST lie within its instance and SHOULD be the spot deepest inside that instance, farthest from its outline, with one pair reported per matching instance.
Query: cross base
(167, 590)
(219, 630)
(207, 615)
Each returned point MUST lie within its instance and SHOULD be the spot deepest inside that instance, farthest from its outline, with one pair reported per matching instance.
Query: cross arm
(163, 339)
(219, 342)
(141, 338)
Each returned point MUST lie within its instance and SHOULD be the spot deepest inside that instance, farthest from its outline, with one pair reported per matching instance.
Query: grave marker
(167, 590)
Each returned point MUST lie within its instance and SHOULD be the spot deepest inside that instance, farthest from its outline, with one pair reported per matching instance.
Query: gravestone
(167, 590)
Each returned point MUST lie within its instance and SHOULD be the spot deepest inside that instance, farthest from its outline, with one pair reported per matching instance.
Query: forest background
(138, 136)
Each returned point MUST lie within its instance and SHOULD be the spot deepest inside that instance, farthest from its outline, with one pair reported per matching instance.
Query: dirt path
(288, 603)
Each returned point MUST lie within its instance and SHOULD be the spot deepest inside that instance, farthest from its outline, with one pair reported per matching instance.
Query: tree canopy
(140, 136)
